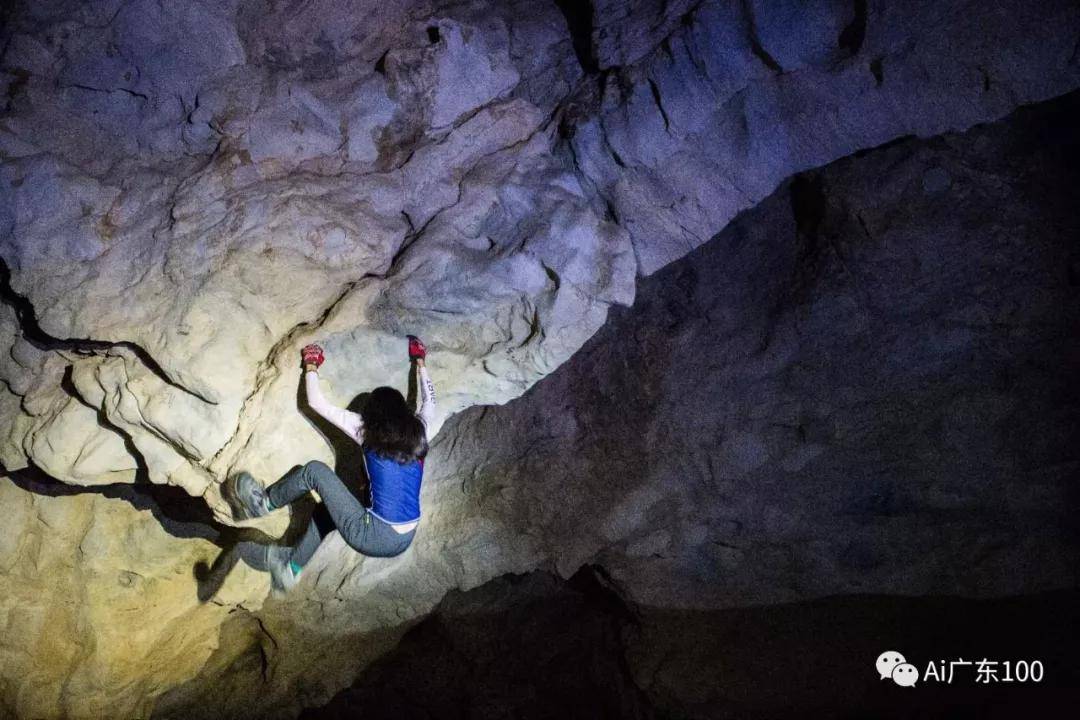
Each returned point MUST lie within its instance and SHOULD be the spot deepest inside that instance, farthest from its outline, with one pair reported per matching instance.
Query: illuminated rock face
(99, 605)
(220, 203)
(202, 190)
(193, 191)
(861, 386)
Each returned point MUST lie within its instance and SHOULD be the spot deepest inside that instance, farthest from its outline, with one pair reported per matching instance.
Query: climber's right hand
(313, 355)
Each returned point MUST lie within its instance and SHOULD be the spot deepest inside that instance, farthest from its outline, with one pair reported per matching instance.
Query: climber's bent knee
(317, 466)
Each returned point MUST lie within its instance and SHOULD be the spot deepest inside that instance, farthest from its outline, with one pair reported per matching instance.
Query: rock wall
(183, 216)
(523, 646)
(191, 192)
(864, 384)
(98, 606)
(861, 386)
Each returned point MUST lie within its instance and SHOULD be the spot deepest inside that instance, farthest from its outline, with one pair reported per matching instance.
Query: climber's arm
(348, 422)
(427, 396)
(418, 354)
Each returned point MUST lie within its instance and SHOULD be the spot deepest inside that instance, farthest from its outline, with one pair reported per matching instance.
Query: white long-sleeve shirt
(351, 423)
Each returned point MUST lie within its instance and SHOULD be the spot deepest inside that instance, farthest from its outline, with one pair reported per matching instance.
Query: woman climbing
(394, 442)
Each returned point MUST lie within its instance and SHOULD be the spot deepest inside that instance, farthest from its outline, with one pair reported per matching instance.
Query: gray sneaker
(249, 498)
(282, 576)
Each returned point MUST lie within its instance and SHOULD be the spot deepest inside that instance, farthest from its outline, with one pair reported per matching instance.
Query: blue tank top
(395, 488)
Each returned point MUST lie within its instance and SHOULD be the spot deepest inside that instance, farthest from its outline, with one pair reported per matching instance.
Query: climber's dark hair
(390, 427)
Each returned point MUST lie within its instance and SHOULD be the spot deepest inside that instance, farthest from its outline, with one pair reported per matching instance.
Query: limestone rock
(100, 613)
(858, 387)
(193, 191)
(739, 96)
(201, 190)
(861, 385)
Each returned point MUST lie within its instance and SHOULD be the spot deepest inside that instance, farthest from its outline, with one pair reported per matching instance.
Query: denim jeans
(362, 531)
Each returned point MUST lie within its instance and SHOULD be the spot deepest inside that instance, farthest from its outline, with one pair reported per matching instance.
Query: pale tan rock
(193, 191)
(99, 607)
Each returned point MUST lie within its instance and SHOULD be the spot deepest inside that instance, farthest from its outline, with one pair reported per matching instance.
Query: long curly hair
(391, 429)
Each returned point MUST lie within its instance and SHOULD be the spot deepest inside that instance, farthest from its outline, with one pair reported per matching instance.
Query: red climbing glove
(417, 350)
(313, 355)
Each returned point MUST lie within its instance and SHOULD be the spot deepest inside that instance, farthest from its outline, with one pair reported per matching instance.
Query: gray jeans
(361, 530)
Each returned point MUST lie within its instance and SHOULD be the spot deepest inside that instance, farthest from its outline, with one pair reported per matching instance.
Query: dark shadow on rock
(817, 658)
(536, 647)
(520, 646)
(180, 514)
(247, 545)
(348, 459)
(210, 578)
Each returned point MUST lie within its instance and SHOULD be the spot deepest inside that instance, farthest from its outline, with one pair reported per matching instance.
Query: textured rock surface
(201, 192)
(98, 607)
(193, 191)
(863, 385)
(214, 205)
(737, 96)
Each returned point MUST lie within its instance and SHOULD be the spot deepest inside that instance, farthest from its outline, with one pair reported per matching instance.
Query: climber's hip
(370, 535)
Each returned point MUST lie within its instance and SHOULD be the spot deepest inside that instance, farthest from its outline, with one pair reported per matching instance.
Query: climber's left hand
(313, 355)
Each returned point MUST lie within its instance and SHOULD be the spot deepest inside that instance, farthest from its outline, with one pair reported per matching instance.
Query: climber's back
(395, 444)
